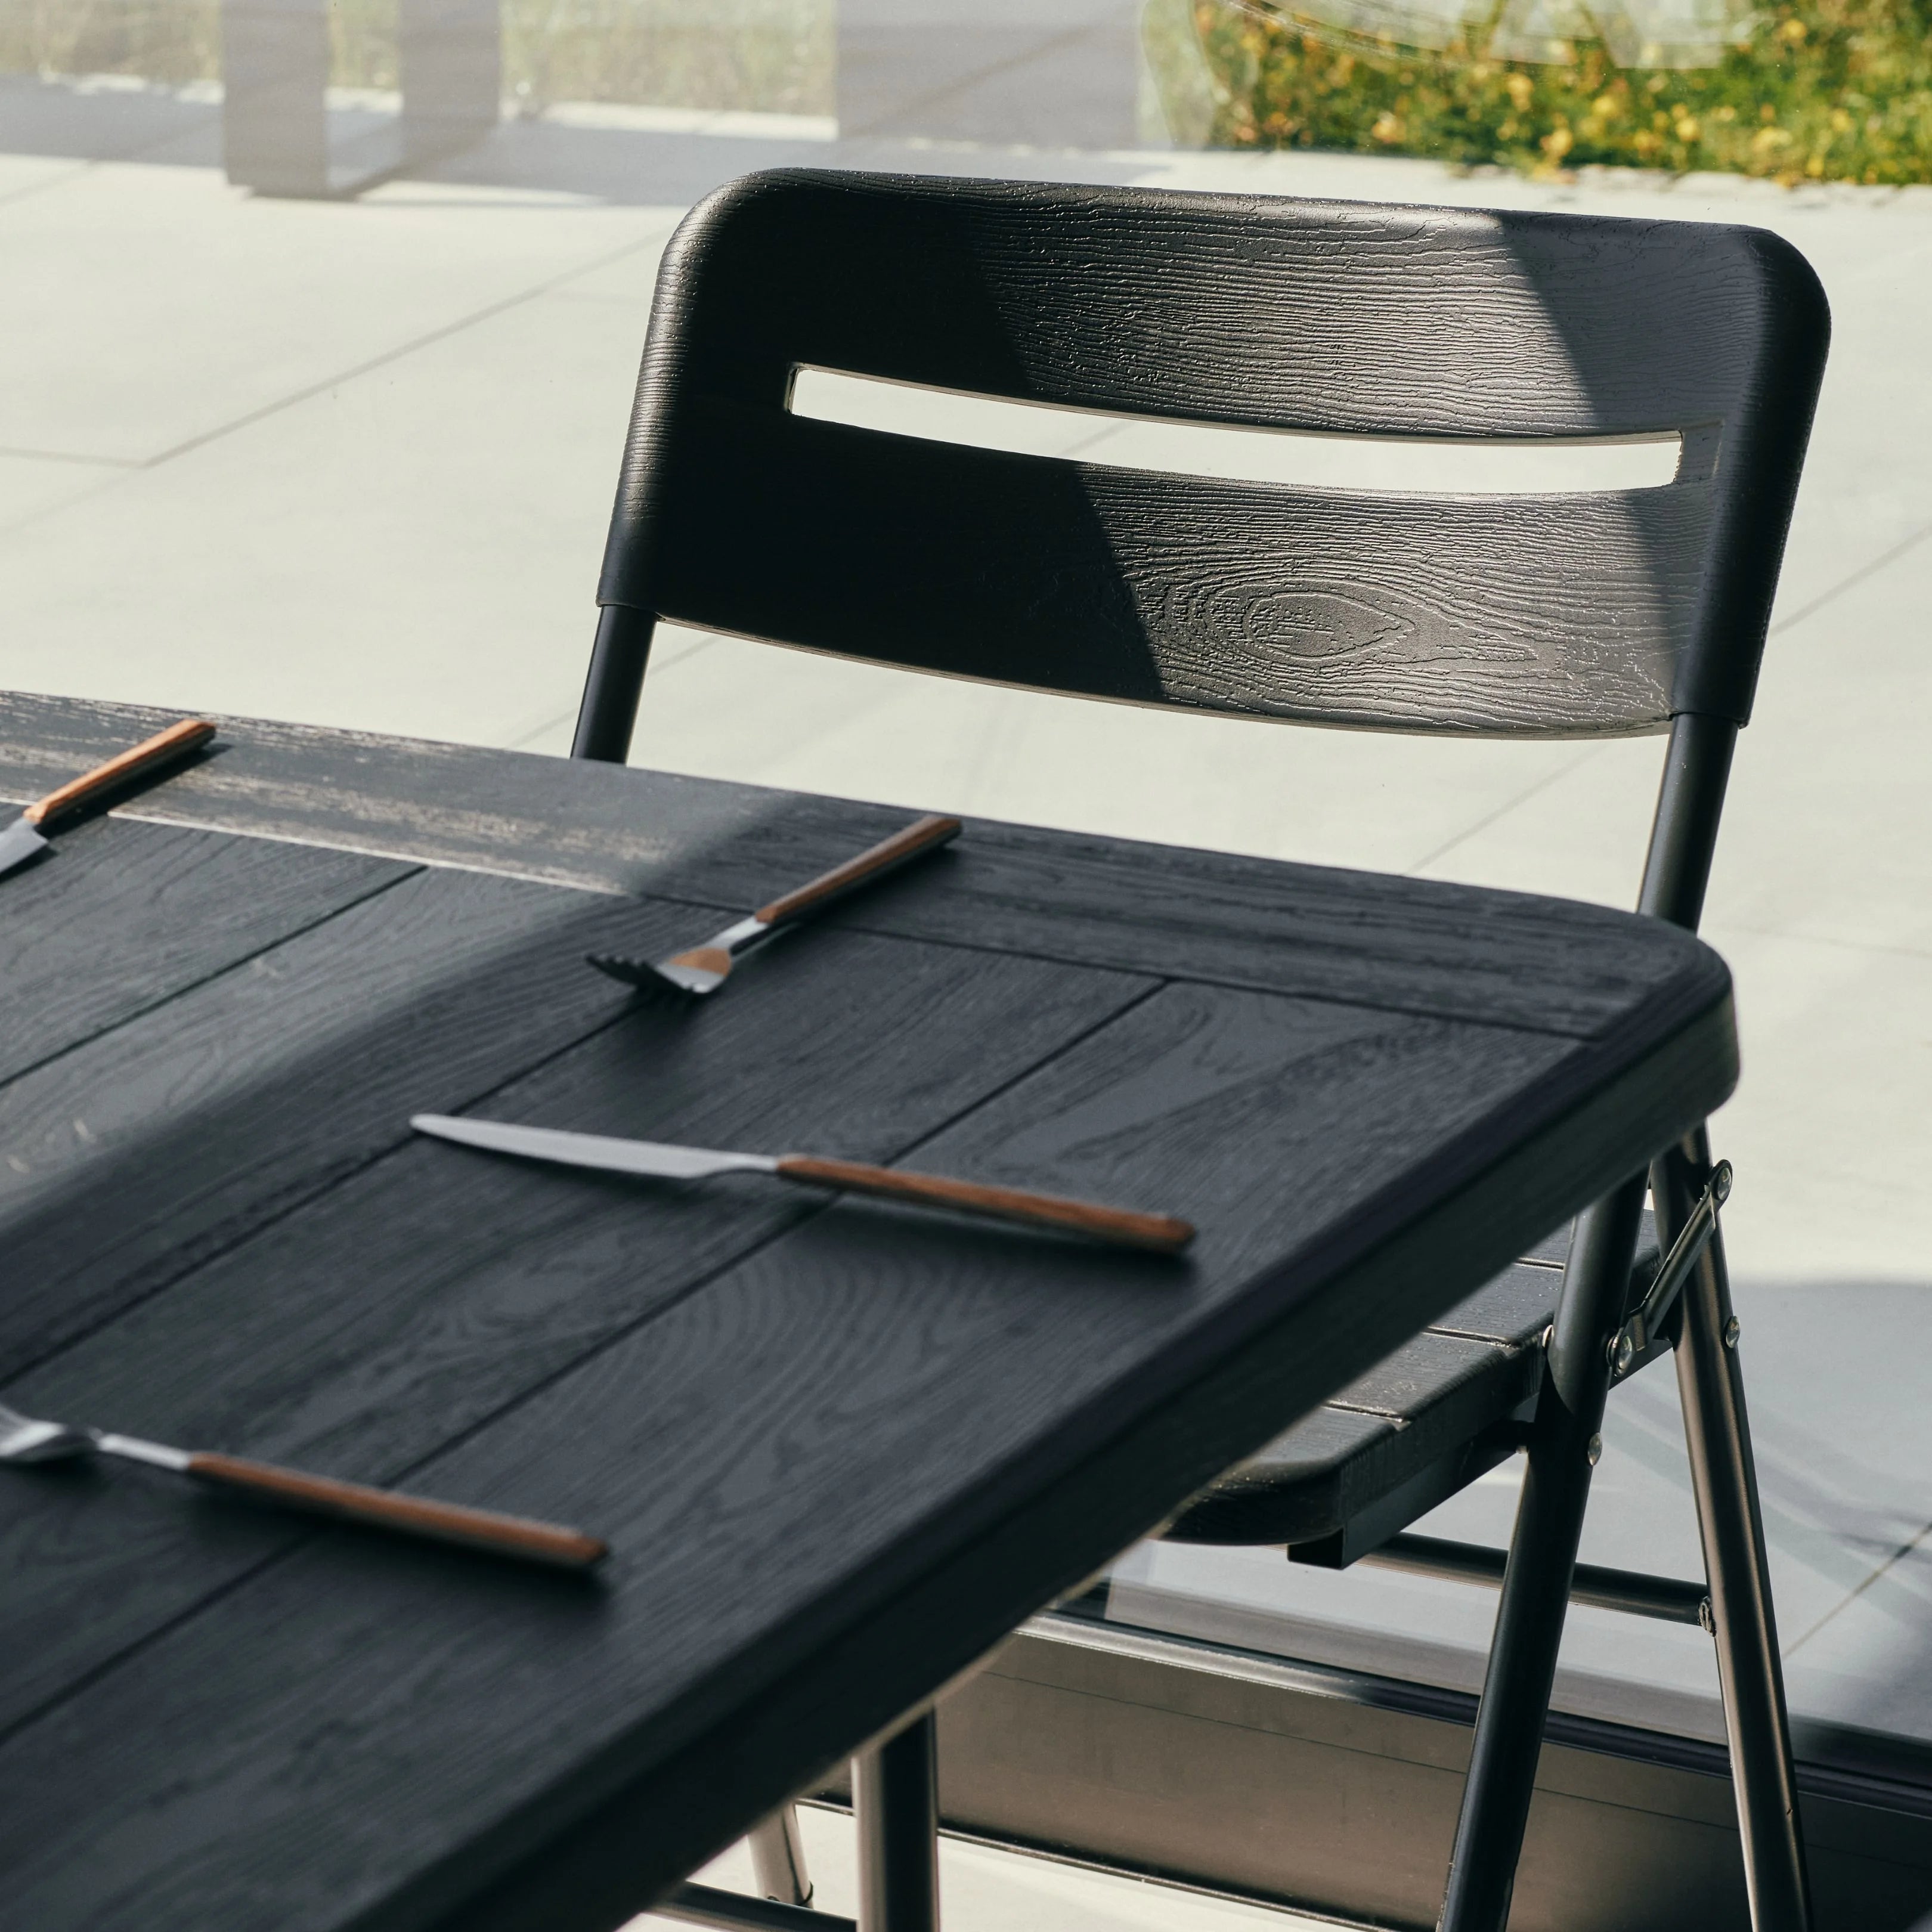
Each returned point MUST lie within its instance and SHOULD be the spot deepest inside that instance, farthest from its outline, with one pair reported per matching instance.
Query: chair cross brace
(738, 1912)
(1664, 1597)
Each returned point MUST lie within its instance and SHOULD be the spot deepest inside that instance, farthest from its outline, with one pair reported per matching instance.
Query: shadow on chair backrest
(1591, 612)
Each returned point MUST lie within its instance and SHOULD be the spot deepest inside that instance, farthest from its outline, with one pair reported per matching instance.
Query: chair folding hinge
(1639, 1329)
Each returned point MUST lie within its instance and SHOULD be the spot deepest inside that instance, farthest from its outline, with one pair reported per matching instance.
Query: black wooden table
(840, 1449)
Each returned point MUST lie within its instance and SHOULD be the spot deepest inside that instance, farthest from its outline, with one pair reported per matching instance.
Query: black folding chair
(1585, 614)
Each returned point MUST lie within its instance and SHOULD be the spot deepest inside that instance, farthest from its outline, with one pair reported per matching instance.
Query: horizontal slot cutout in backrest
(1298, 459)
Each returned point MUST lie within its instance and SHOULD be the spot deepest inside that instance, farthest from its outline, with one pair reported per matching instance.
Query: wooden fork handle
(163, 747)
(918, 837)
(1123, 1225)
(414, 1516)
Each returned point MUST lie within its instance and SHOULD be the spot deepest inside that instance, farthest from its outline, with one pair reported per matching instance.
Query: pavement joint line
(1790, 1648)
(402, 350)
(1054, 43)
(60, 180)
(1503, 811)
(70, 456)
(1892, 948)
(1857, 577)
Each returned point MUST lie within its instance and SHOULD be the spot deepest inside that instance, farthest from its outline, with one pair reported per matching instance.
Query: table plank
(892, 1439)
(422, 999)
(120, 917)
(362, 1331)
(1415, 945)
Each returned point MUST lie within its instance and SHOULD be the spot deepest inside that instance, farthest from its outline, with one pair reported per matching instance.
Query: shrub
(1829, 90)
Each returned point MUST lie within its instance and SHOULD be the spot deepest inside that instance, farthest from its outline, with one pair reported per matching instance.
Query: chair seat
(1446, 1406)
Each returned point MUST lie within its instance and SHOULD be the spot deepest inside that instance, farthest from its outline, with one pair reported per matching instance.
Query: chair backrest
(1589, 614)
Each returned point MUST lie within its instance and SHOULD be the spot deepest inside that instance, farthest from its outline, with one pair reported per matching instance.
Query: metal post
(274, 72)
(895, 1805)
(777, 1858)
(1563, 1450)
(1723, 1477)
(610, 707)
(451, 54)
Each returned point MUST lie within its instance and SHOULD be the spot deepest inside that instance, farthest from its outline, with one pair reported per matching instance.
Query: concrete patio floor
(352, 462)
(987, 1887)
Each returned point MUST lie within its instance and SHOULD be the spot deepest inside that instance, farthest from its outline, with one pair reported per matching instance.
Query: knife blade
(24, 839)
(665, 1161)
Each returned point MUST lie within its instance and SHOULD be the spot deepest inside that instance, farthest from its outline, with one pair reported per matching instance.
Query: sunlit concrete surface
(351, 463)
(989, 1890)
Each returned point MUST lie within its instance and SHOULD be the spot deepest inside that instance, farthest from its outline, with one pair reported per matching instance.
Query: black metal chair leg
(610, 707)
(1563, 1451)
(777, 1858)
(896, 1806)
(1724, 1479)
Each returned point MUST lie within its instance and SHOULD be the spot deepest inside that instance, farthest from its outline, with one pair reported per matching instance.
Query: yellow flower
(1521, 90)
(1792, 30)
(1815, 166)
(1388, 128)
(1841, 122)
(1558, 143)
(1768, 140)
(1687, 129)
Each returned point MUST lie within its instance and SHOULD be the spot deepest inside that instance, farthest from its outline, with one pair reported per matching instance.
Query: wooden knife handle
(415, 1516)
(1005, 1203)
(918, 837)
(163, 747)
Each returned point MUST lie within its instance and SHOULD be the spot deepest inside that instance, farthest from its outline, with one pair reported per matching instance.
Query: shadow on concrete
(623, 160)
(110, 119)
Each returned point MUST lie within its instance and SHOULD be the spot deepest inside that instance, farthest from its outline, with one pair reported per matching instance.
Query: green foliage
(1830, 90)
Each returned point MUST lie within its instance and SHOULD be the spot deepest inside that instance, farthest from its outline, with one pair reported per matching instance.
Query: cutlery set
(693, 974)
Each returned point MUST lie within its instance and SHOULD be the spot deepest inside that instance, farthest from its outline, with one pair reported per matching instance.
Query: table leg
(896, 1806)
(777, 1858)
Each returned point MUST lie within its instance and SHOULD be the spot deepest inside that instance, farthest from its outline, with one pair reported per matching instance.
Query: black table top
(839, 1449)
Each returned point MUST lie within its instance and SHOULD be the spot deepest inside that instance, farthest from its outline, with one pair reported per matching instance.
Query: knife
(656, 1158)
(24, 838)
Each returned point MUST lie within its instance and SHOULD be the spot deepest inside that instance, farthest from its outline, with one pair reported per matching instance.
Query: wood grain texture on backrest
(1586, 613)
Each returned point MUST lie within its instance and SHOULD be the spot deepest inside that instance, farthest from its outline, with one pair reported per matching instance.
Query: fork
(704, 968)
(23, 1440)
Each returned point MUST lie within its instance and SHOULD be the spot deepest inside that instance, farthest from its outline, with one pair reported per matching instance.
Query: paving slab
(156, 307)
(30, 484)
